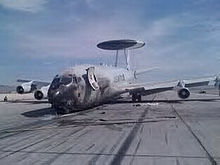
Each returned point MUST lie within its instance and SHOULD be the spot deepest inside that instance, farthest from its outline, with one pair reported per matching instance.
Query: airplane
(85, 86)
(40, 88)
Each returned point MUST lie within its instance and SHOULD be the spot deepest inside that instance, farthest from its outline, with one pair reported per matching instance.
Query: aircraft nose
(64, 99)
(57, 96)
(63, 95)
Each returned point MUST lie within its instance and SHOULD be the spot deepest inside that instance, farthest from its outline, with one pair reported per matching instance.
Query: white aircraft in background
(39, 88)
(86, 86)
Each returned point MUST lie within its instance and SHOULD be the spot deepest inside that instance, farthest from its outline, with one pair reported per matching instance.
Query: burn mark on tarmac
(114, 128)
(82, 134)
(166, 117)
(32, 144)
(165, 137)
(135, 151)
(18, 141)
(50, 161)
(102, 121)
(90, 147)
(177, 161)
(8, 132)
(58, 155)
(142, 128)
(127, 142)
(117, 143)
(66, 139)
(96, 157)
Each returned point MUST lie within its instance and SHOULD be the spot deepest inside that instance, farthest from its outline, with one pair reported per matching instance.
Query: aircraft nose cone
(57, 96)
(63, 94)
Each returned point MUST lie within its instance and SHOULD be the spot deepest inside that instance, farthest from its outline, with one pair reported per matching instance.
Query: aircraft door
(91, 78)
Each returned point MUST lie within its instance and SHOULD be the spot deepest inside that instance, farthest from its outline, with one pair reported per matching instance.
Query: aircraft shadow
(49, 111)
(39, 112)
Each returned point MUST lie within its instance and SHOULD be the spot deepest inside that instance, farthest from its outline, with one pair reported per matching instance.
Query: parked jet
(39, 88)
(85, 86)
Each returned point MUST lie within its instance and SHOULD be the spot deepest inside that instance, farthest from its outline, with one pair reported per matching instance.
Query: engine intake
(183, 93)
(20, 89)
(38, 95)
(41, 93)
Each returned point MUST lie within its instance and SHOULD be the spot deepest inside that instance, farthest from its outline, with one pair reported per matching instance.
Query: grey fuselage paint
(77, 94)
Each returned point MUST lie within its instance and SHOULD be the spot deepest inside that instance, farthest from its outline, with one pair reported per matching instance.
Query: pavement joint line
(210, 157)
(107, 154)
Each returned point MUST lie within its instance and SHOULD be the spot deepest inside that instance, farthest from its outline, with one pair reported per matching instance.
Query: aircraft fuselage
(85, 86)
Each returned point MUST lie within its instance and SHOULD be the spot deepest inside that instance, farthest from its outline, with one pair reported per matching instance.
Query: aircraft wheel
(139, 98)
(134, 97)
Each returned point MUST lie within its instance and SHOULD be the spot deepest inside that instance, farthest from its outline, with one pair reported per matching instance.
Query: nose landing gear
(136, 97)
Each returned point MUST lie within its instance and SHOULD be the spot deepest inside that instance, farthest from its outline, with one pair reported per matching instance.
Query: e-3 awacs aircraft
(86, 86)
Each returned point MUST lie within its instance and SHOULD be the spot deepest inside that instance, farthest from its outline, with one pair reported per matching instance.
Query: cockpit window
(55, 83)
(74, 80)
(66, 80)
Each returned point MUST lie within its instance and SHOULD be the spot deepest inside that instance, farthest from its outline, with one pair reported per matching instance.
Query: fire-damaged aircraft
(86, 86)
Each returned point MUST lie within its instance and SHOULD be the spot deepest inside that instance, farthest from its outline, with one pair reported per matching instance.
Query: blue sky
(40, 38)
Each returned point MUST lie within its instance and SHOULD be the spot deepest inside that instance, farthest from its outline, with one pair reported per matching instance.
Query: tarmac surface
(162, 130)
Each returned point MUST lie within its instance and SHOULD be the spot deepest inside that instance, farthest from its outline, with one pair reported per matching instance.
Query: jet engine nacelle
(26, 87)
(183, 93)
(41, 93)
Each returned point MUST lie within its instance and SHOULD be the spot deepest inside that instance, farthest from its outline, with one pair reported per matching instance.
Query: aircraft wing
(147, 89)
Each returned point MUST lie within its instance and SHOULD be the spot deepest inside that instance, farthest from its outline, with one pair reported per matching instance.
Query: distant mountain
(7, 89)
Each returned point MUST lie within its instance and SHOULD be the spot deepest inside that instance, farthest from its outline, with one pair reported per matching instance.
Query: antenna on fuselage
(126, 45)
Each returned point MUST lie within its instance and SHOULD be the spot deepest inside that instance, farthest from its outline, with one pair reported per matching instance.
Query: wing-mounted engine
(92, 79)
(182, 91)
(27, 87)
(41, 93)
(217, 82)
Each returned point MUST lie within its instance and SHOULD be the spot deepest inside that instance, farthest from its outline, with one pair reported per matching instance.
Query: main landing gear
(136, 97)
